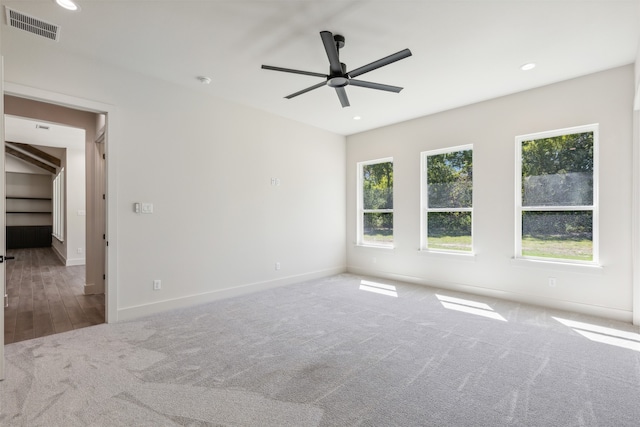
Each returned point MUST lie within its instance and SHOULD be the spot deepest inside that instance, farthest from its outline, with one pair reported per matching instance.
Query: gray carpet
(332, 352)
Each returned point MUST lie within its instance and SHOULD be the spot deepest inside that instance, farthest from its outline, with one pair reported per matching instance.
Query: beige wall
(605, 98)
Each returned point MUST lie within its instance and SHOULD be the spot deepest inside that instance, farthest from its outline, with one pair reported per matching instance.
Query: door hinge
(104, 197)
(103, 156)
(104, 237)
(104, 277)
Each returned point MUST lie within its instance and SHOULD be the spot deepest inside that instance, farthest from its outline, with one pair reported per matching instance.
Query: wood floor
(45, 297)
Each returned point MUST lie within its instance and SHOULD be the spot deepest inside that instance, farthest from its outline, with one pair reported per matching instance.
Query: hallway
(45, 297)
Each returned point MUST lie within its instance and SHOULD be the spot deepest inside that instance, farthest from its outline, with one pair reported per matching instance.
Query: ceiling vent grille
(33, 25)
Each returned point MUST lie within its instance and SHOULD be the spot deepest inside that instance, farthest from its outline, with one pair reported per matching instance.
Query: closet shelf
(27, 198)
(24, 212)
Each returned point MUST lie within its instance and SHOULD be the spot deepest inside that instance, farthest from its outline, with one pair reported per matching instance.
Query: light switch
(147, 208)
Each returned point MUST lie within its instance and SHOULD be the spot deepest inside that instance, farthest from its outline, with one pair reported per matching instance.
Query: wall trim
(135, 312)
(75, 261)
(635, 221)
(92, 288)
(591, 310)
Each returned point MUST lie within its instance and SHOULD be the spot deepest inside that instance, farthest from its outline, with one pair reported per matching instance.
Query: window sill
(558, 265)
(462, 256)
(382, 247)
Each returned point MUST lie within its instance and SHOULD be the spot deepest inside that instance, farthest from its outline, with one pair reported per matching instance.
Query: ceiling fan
(338, 76)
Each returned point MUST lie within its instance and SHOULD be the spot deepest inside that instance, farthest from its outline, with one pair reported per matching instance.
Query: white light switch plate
(147, 208)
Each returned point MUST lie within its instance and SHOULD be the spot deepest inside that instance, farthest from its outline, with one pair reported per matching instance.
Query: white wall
(75, 207)
(635, 226)
(13, 164)
(605, 98)
(218, 225)
(72, 160)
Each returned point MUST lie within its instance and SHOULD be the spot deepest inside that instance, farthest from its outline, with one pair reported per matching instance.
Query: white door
(2, 221)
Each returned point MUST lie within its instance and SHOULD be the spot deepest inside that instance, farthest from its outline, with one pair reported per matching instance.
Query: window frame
(593, 208)
(360, 205)
(424, 201)
(58, 214)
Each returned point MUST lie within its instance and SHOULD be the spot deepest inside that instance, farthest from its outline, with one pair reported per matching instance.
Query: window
(375, 203)
(556, 199)
(58, 206)
(447, 199)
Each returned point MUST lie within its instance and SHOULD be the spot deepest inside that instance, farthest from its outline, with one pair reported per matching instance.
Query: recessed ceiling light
(528, 66)
(357, 118)
(67, 4)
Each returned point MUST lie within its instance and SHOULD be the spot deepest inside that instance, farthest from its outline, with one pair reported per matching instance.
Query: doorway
(54, 288)
(111, 191)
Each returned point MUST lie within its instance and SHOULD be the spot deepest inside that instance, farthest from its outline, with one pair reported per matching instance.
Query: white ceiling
(35, 132)
(463, 51)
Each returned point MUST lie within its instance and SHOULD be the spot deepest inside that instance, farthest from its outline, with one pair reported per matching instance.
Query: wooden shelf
(46, 213)
(27, 198)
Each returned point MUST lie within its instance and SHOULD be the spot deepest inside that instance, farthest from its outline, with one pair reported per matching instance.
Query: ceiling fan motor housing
(339, 80)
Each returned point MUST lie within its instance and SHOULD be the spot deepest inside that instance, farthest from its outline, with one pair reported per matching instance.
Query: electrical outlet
(277, 266)
(552, 282)
(157, 285)
(80, 250)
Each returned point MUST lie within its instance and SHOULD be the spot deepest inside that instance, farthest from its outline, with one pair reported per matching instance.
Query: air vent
(33, 25)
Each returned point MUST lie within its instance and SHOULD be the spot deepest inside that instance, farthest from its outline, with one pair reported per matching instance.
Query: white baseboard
(92, 288)
(129, 313)
(68, 262)
(75, 261)
(588, 309)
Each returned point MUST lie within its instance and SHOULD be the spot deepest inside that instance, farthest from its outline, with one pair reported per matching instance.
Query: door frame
(3, 245)
(111, 138)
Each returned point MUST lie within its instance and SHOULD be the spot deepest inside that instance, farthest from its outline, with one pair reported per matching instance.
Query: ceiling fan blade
(306, 90)
(380, 63)
(372, 85)
(342, 94)
(332, 52)
(289, 70)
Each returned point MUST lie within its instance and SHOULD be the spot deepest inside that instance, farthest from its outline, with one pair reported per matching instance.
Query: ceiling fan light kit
(338, 77)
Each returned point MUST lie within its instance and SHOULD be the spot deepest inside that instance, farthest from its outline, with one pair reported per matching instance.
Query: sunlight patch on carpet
(470, 307)
(602, 334)
(378, 288)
